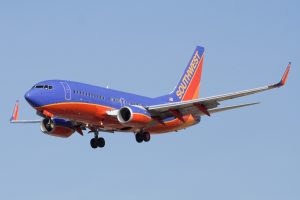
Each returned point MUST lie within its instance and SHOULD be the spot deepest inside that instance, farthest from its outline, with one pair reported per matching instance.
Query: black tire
(139, 137)
(93, 143)
(146, 136)
(101, 142)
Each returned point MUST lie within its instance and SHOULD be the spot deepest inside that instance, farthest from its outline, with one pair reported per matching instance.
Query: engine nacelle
(133, 116)
(57, 127)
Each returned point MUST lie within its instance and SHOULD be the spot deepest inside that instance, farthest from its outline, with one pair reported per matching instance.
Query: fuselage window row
(102, 97)
(88, 94)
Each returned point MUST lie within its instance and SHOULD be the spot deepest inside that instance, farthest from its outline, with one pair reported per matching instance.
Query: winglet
(15, 113)
(285, 76)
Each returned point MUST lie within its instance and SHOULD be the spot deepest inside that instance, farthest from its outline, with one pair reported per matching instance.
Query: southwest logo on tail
(189, 84)
(66, 107)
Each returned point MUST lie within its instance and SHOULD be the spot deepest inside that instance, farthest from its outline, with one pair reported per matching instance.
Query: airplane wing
(216, 110)
(208, 105)
(15, 114)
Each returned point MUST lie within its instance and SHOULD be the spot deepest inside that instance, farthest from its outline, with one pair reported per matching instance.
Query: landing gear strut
(142, 136)
(97, 141)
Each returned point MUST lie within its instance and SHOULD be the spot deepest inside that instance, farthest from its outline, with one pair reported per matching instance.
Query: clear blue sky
(251, 153)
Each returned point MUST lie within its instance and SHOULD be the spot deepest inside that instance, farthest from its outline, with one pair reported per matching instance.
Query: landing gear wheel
(93, 143)
(146, 136)
(100, 142)
(139, 137)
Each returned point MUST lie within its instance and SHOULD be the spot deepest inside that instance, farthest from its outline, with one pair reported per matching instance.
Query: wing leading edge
(209, 104)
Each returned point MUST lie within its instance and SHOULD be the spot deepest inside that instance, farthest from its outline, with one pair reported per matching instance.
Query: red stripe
(16, 112)
(194, 86)
(94, 114)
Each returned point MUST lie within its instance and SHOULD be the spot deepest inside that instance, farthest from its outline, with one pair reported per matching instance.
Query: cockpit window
(47, 87)
(39, 86)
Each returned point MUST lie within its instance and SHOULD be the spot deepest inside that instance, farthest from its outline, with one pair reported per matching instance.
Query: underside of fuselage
(95, 115)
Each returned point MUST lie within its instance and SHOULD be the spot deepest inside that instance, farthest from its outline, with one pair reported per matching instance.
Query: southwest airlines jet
(67, 107)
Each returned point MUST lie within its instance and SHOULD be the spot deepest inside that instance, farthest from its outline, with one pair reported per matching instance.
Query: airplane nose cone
(30, 98)
(27, 96)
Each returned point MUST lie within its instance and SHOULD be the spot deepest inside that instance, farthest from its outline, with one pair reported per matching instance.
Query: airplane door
(67, 90)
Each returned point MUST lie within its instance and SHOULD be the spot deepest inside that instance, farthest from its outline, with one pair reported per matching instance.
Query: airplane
(66, 107)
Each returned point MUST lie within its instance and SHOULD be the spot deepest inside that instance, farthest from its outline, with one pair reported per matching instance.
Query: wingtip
(15, 113)
(284, 78)
(285, 75)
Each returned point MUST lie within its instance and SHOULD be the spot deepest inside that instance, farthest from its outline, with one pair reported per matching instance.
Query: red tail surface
(189, 85)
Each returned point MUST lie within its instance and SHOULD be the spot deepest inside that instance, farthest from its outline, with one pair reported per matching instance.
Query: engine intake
(135, 116)
(57, 127)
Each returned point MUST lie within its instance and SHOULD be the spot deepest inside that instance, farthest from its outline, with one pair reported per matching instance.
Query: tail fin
(189, 84)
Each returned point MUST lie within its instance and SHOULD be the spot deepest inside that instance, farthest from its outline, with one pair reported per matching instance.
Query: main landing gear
(97, 141)
(142, 136)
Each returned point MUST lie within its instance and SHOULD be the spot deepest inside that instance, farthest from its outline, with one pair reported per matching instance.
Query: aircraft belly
(173, 125)
(94, 114)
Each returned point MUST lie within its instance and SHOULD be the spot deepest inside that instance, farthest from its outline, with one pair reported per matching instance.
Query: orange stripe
(60, 131)
(196, 94)
(16, 112)
(195, 82)
(285, 75)
(63, 103)
(139, 120)
(94, 114)
(173, 125)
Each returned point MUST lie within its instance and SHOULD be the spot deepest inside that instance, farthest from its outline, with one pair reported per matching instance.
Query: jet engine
(57, 127)
(133, 116)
